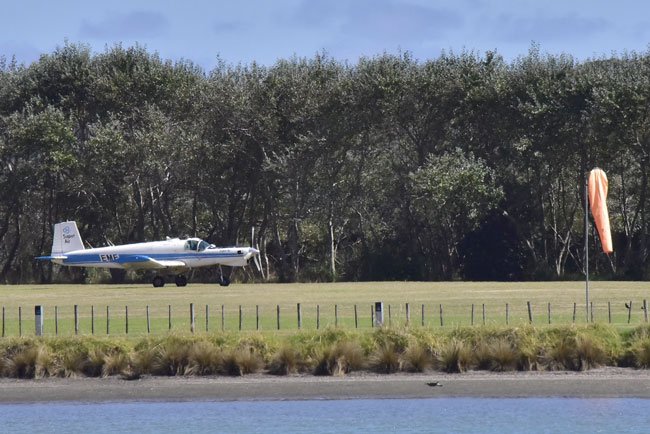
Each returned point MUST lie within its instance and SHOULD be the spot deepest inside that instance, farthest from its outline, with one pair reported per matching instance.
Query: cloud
(137, 24)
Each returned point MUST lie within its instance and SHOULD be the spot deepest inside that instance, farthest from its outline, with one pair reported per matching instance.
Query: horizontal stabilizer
(51, 258)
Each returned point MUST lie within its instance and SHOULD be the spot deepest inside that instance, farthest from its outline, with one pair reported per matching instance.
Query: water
(444, 415)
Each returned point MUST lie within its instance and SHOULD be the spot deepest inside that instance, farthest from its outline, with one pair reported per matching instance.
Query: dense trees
(459, 167)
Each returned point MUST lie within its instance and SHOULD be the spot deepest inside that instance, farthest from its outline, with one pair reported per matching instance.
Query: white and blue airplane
(174, 256)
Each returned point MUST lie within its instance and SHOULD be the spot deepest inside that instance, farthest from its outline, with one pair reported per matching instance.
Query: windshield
(203, 245)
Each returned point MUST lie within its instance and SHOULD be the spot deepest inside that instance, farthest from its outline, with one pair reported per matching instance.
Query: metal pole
(587, 247)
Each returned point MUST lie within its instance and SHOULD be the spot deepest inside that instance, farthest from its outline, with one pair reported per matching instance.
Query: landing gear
(158, 282)
(224, 281)
(181, 280)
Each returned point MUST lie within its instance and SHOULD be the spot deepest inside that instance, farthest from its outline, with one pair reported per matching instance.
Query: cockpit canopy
(196, 245)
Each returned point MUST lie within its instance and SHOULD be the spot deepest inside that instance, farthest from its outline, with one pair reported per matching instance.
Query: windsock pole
(587, 246)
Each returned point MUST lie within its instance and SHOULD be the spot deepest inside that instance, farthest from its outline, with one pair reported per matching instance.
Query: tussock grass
(330, 352)
(455, 356)
(339, 359)
(287, 360)
(416, 358)
(385, 359)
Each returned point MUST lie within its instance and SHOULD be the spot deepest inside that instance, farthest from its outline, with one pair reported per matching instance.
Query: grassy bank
(330, 352)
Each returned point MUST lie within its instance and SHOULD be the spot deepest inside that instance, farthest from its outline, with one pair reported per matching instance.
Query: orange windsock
(598, 200)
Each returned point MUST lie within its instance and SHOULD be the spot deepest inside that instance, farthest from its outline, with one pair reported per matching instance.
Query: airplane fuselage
(129, 256)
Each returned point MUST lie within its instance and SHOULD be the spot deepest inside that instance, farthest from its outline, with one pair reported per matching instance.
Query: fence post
(223, 317)
(278, 316)
(372, 315)
(507, 314)
(169, 317)
(442, 324)
(336, 315)
(472, 314)
(241, 319)
(530, 312)
(549, 312)
(483, 313)
(92, 319)
(591, 310)
(207, 317)
(609, 312)
(257, 317)
(56, 320)
(408, 314)
(76, 319)
(422, 315)
(192, 317)
(317, 317)
(20, 321)
(3, 321)
(299, 316)
(108, 321)
(38, 319)
(629, 312)
(574, 312)
(390, 319)
(126, 317)
(645, 310)
(148, 322)
(356, 318)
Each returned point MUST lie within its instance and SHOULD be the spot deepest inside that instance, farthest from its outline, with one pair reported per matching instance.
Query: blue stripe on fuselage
(131, 258)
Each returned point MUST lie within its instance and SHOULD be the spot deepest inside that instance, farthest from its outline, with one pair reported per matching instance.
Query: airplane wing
(143, 262)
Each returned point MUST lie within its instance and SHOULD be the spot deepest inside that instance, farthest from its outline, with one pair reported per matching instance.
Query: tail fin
(66, 238)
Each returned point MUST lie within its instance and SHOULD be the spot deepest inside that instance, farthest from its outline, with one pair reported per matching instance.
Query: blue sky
(264, 31)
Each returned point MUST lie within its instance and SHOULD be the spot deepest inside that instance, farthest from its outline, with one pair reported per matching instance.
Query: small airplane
(174, 256)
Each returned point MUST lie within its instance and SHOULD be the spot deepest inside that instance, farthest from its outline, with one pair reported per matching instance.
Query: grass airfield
(317, 300)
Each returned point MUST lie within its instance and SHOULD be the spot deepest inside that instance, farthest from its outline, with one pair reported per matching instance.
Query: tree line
(392, 168)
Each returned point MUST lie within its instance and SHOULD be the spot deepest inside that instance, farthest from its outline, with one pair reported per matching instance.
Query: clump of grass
(562, 355)
(590, 352)
(242, 361)
(503, 356)
(22, 363)
(455, 356)
(385, 359)
(339, 359)
(171, 357)
(416, 358)
(116, 362)
(204, 359)
(286, 361)
(641, 353)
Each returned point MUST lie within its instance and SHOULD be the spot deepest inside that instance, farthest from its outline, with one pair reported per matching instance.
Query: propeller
(256, 256)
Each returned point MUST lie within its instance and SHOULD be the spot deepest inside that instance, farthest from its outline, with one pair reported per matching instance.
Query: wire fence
(192, 318)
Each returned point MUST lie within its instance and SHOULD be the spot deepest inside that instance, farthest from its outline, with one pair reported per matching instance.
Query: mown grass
(330, 352)
(456, 299)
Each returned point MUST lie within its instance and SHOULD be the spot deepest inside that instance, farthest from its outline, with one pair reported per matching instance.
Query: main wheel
(224, 281)
(181, 280)
(158, 282)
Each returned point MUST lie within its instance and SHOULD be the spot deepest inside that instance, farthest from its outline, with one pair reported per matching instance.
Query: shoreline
(597, 383)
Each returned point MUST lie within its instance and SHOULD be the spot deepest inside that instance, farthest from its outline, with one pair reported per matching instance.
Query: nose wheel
(224, 281)
(158, 282)
(181, 280)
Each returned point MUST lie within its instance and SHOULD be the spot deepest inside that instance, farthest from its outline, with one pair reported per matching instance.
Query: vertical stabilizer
(66, 238)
